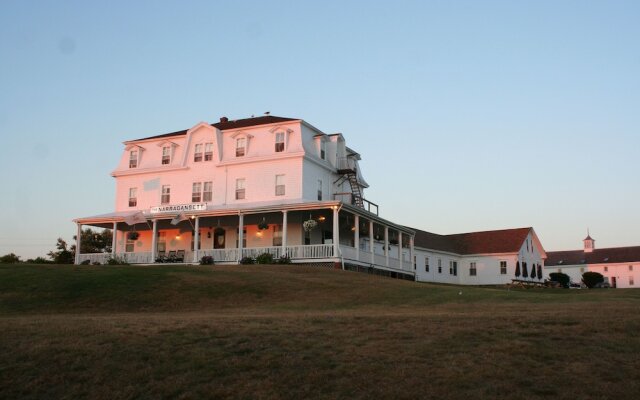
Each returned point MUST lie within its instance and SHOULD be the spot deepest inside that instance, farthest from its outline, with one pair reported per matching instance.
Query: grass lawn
(293, 332)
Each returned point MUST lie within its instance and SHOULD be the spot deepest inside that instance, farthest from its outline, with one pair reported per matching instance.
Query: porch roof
(105, 220)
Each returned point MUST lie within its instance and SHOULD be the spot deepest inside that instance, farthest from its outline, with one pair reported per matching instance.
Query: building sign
(179, 208)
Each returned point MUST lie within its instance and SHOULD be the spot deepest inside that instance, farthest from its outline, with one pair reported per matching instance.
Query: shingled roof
(597, 256)
(500, 241)
(235, 124)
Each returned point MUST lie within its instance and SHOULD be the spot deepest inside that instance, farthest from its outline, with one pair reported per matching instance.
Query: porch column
(371, 247)
(240, 235)
(412, 254)
(386, 244)
(335, 231)
(154, 241)
(284, 232)
(78, 242)
(114, 240)
(356, 236)
(400, 248)
(196, 240)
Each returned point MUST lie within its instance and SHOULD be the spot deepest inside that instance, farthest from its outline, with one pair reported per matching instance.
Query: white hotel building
(249, 186)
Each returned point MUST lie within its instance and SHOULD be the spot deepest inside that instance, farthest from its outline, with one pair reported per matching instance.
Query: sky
(469, 115)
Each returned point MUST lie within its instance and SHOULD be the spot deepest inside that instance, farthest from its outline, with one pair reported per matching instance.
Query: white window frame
(133, 158)
(129, 245)
(241, 190)
(503, 270)
(453, 268)
(473, 269)
(439, 265)
(196, 192)
(426, 264)
(197, 152)
(166, 155)
(279, 143)
(280, 186)
(208, 151)
(133, 197)
(207, 191)
(323, 149)
(319, 190)
(241, 151)
(165, 196)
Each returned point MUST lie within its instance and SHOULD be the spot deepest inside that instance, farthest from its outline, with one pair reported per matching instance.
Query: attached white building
(479, 258)
(620, 266)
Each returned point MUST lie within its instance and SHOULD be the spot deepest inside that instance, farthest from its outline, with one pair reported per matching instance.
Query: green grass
(295, 332)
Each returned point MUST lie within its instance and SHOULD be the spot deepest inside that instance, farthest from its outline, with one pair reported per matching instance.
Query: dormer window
(197, 153)
(166, 155)
(279, 142)
(208, 151)
(323, 149)
(133, 159)
(241, 144)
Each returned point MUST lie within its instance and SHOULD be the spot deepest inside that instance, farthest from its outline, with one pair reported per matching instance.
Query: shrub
(265, 258)
(85, 262)
(285, 259)
(247, 260)
(591, 279)
(560, 277)
(96, 263)
(116, 261)
(206, 260)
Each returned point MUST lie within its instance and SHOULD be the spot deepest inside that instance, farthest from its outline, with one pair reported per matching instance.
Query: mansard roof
(597, 256)
(487, 242)
(231, 124)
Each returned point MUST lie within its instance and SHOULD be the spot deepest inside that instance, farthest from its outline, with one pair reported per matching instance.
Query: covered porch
(331, 232)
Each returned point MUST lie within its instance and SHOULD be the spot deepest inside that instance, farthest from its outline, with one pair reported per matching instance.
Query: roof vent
(224, 119)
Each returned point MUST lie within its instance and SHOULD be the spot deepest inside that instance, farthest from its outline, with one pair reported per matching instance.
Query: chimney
(224, 119)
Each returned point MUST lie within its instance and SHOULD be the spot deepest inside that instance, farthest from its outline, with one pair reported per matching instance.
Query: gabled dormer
(203, 144)
(135, 155)
(281, 138)
(168, 149)
(241, 140)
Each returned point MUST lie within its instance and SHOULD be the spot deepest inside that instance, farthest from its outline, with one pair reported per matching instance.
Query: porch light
(178, 236)
(321, 218)
(259, 233)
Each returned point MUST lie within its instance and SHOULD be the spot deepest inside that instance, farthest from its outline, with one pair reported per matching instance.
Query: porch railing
(94, 257)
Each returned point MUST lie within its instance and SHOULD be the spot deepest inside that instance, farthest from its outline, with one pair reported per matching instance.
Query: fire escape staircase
(348, 170)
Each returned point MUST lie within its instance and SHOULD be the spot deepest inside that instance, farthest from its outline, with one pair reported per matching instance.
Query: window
(319, 189)
(453, 267)
(279, 185)
(133, 159)
(631, 281)
(503, 267)
(162, 241)
(277, 235)
(197, 153)
(415, 262)
(473, 271)
(129, 245)
(581, 270)
(426, 264)
(240, 190)
(166, 194)
(133, 198)
(323, 149)
(166, 155)
(606, 269)
(208, 151)
(207, 194)
(240, 147)
(196, 192)
(439, 265)
(630, 267)
(279, 142)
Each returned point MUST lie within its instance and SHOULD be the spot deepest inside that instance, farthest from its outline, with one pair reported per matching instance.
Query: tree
(62, 256)
(517, 269)
(539, 271)
(95, 242)
(560, 277)
(525, 272)
(591, 279)
(533, 271)
(10, 259)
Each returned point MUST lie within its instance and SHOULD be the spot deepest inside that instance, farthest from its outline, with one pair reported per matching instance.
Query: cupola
(589, 243)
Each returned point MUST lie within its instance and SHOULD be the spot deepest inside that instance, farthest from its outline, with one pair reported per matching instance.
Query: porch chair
(162, 256)
(180, 256)
(172, 256)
